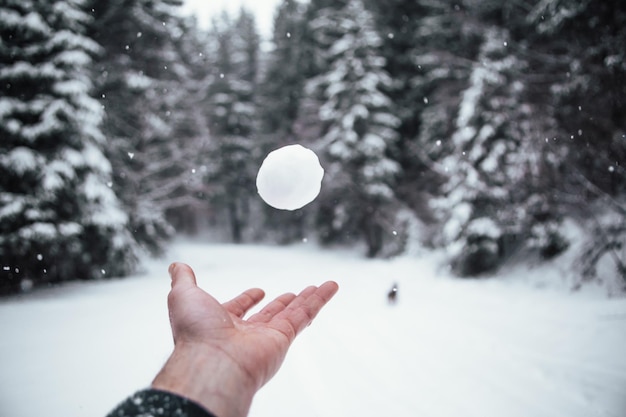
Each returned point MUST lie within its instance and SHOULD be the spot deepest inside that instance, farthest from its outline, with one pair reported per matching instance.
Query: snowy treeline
(480, 127)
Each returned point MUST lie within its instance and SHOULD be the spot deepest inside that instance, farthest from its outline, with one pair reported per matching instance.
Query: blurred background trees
(233, 120)
(358, 127)
(154, 135)
(481, 127)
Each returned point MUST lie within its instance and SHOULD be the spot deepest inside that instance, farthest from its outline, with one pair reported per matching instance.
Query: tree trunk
(373, 233)
(235, 220)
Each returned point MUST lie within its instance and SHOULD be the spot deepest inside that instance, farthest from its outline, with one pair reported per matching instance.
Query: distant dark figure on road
(392, 295)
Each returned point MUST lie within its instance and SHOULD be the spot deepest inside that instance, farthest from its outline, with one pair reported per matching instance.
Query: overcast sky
(263, 9)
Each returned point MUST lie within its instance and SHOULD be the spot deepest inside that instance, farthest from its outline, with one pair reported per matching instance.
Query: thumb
(182, 275)
(183, 279)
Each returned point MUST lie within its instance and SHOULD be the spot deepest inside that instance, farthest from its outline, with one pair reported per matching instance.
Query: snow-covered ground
(449, 347)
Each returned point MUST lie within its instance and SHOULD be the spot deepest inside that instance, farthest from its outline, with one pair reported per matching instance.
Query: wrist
(208, 377)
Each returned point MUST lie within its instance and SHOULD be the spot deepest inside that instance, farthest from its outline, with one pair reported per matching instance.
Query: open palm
(256, 346)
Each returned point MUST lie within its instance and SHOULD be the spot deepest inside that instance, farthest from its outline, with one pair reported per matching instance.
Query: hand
(221, 360)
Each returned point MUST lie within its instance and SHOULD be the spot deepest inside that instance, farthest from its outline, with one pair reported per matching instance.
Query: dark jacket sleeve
(157, 403)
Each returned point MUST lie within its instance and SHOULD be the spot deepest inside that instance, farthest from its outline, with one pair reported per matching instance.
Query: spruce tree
(590, 101)
(283, 81)
(59, 218)
(282, 92)
(359, 126)
(146, 87)
(590, 107)
(401, 23)
(429, 48)
(501, 166)
(233, 120)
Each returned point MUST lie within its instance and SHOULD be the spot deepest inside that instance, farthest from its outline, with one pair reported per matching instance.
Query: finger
(240, 305)
(302, 310)
(182, 275)
(305, 293)
(273, 308)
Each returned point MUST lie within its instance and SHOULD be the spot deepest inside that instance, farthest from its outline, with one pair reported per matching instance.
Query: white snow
(290, 177)
(484, 226)
(448, 348)
(40, 230)
(73, 58)
(138, 81)
(21, 70)
(21, 160)
(50, 121)
(32, 21)
(10, 208)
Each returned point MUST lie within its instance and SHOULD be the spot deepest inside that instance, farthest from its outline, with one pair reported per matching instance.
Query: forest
(484, 128)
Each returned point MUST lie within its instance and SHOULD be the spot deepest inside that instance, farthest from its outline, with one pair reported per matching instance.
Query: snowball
(290, 177)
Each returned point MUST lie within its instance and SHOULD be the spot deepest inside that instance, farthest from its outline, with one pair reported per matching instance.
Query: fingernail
(171, 269)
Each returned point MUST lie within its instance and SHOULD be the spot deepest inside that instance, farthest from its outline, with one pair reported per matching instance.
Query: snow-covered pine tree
(283, 81)
(187, 211)
(429, 47)
(359, 127)
(282, 90)
(233, 119)
(312, 61)
(146, 88)
(409, 28)
(497, 197)
(590, 101)
(59, 218)
(590, 106)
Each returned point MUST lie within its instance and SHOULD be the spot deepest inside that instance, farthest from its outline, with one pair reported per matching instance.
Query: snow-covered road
(448, 348)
